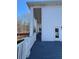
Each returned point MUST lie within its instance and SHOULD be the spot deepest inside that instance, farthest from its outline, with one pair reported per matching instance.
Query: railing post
(31, 25)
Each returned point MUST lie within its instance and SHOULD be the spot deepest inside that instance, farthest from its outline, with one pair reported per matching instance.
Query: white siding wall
(51, 18)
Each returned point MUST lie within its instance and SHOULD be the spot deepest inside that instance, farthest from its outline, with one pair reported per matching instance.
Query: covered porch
(45, 45)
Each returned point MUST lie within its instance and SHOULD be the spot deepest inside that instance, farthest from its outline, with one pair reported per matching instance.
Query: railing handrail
(22, 34)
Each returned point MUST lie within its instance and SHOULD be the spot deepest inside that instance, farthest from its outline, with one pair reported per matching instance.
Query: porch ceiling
(44, 3)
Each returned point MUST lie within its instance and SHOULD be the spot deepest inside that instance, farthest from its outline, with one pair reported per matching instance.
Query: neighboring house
(48, 14)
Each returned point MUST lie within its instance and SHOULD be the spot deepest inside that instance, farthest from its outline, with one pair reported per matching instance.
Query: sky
(21, 7)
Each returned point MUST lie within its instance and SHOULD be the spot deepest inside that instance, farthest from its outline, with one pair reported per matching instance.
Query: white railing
(20, 50)
(23, 48)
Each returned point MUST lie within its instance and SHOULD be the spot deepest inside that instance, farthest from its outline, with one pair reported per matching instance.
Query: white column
(31, 25)
(35, 24)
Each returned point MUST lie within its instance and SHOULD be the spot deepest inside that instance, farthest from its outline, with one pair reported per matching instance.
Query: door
(37, 16)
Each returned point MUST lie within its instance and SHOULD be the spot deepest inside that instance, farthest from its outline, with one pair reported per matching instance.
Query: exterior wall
(51, 18)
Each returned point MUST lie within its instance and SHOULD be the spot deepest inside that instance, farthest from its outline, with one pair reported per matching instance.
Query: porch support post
(31, 25)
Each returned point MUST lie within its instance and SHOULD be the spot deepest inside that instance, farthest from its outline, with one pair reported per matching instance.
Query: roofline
(44, 3)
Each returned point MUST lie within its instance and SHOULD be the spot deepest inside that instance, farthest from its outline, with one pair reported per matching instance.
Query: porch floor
(46, 50)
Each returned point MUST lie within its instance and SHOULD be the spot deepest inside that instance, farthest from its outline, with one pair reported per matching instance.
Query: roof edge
(43, 3)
